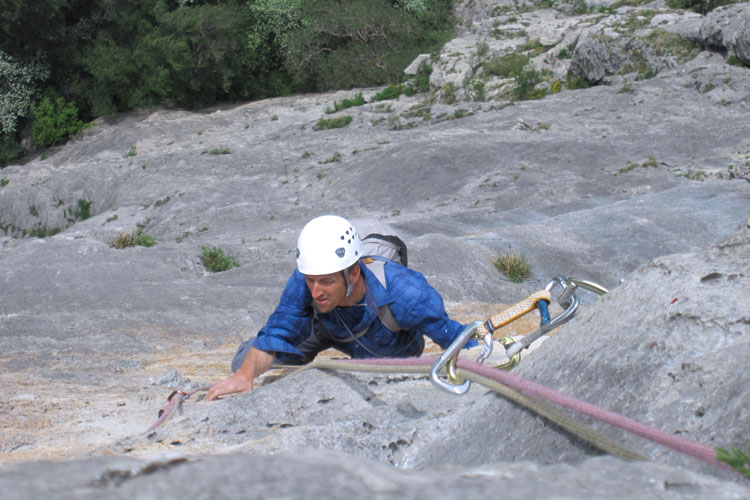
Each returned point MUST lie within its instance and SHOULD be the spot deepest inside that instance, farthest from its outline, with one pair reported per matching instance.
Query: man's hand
(238, 382)
(256, 362)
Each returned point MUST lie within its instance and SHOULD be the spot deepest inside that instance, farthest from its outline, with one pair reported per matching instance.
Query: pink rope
(529, 388)
(174, 401)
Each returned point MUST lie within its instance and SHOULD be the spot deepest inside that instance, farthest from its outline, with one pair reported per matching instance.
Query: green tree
(30, 28)
(701, 6)
(357, 43)
(155, 51)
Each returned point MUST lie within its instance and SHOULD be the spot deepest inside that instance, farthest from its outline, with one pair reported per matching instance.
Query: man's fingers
(228, 386)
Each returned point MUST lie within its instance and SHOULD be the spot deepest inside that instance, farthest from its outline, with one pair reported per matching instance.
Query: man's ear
(355, 273)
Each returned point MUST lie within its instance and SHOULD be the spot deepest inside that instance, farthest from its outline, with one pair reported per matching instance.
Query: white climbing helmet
(327, 244)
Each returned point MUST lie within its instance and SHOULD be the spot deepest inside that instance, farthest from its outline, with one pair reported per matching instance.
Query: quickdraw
(479, 330)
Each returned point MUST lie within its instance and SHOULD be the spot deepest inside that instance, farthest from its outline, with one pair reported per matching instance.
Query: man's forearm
(256, 363)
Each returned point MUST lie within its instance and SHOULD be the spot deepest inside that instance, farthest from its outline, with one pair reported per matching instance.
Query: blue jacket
(416, 306)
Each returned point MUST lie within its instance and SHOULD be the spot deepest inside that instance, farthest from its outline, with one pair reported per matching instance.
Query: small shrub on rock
(339, 122)
(132, 238)
(357, 100)
(54, 121)
(526, 81)
(506, 66)
(390, 92)
(215, 260)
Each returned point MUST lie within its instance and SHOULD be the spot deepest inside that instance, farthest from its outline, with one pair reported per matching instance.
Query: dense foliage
(701, 6)
(105, 56)
(54, 120)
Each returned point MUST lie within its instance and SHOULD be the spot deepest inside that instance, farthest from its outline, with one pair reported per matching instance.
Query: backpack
(380, 244)
(381, 240)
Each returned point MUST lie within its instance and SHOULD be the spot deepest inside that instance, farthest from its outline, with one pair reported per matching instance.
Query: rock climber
(335, 298)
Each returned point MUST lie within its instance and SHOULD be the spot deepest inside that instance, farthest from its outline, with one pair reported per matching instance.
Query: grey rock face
(662, 348)
(333, 475)
(729, 28)
(637, 187)
(595, 58)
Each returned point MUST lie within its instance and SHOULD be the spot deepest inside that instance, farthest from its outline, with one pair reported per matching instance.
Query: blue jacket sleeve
(417, 306)
(290, 322)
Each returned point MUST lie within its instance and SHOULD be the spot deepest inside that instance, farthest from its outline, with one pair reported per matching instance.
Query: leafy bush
(9, 150)
(514, 265)
(476, 91)
(701, 6)
(526, 81)
(422, 79)
(339, 122)
(507, 66)
(83, 211)
(392, 92)
(54, 120)
(449, 93)
(18, 87)
(357, 100)
(733, 60)
(362, 43)
(578, 83)
(149, 52)
(44, 232)
(109, 56)
(215, 260)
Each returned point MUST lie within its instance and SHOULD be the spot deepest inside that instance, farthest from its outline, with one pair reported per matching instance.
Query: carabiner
(514, 359)
(566, 299)
(449, 358)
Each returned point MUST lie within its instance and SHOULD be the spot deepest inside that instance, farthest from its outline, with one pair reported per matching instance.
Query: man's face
(328, 290)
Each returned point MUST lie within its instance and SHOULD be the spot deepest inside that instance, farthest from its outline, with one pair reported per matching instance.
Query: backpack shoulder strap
(377, 267)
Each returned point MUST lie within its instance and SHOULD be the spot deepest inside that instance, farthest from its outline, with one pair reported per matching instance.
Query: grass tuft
(736, 458)
(514, 265)
(132, 238)
(217, 151)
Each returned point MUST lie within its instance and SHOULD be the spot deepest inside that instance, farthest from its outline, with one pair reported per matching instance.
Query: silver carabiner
(486, 348)
(567, 299)
(449, 356)
(590, 286)
(558, 320)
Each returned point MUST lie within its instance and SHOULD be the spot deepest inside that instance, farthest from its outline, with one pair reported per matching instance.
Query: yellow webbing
(515, 311)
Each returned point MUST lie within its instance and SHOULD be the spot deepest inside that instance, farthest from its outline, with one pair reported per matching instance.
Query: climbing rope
(423, 365)
(174, 401)
(531, 395)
